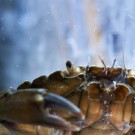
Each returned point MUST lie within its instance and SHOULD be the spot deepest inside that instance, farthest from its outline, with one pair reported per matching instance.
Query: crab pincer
(30, 106)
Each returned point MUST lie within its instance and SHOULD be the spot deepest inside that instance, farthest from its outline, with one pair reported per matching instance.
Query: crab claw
(58, 122)
(30, 106)
(55, 101)
(58, 102)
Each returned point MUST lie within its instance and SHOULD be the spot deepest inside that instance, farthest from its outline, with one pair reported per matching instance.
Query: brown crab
(105, 95)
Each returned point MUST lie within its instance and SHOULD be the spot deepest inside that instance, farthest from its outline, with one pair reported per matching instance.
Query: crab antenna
(102, 61)
(88, 60)
(114, 61)
(123, 57)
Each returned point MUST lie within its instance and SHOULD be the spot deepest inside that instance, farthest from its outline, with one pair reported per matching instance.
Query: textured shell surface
(106, 96)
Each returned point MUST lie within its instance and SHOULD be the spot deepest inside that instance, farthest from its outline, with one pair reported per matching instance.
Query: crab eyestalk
(74, 70)
(69, 66)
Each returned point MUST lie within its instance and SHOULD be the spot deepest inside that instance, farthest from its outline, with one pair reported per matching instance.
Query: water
(38, 37)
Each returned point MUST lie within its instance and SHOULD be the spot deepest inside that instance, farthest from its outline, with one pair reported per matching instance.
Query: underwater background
(38, 37)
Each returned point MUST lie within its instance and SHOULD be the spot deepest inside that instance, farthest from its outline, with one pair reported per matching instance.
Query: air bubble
(114, 84)
(106, 114)
(105, 102)
(110, 114)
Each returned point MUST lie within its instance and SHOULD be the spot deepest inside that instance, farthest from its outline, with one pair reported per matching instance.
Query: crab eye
(68, 64)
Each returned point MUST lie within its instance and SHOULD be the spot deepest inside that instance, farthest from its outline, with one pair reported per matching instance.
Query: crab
(79, 101)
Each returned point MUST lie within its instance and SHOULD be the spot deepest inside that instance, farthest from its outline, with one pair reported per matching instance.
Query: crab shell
(105, 95)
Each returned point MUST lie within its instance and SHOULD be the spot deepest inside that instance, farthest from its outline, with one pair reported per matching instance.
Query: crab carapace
(100, 99)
